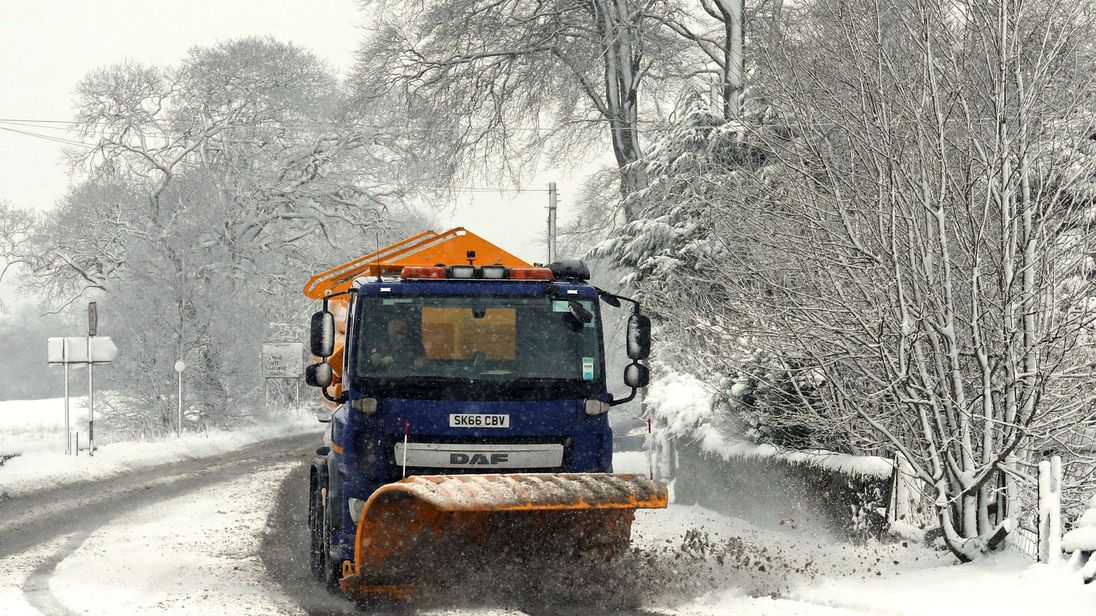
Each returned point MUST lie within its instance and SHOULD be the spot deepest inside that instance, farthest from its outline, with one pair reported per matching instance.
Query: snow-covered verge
(754, 570)
(195, 554)
(33, 430)
(683, 406)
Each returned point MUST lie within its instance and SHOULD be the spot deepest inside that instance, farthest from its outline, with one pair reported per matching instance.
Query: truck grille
(396, 471)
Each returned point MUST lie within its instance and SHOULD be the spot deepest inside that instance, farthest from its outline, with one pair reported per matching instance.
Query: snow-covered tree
(214, 189)
(921, 245)
(491, 85)
(16, 228)
(910, 229)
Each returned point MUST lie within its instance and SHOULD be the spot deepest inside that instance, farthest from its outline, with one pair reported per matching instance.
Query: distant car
(629, 434)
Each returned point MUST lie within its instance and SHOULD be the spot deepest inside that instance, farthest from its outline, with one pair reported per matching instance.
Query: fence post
(903, 492)
(892, 506)
(1050, 510)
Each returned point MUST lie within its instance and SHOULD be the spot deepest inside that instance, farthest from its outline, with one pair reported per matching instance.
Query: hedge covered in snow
(817, 490)
(684, 407)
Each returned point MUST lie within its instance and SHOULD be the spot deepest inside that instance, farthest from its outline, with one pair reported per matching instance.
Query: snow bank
(683, 404)
(1006, 583)
(1083, 535)
(40, 467)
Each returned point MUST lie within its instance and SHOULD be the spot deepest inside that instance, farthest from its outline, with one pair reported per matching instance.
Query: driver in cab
(400, 349)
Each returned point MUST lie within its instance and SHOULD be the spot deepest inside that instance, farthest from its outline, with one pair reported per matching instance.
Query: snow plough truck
(469, 403)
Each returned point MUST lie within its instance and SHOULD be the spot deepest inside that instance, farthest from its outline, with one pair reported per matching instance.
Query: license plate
(479, 421)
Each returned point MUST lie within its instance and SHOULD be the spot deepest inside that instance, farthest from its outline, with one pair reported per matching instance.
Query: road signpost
(283, 361)
(93, 325)
(90, 350)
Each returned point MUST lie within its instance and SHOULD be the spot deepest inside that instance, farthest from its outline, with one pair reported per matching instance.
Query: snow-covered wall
(828, 492)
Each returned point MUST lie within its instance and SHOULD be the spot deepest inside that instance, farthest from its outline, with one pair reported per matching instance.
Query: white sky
(47, 46)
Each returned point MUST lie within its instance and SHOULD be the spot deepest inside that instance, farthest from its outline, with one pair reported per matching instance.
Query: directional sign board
(283, 360)
(74, 350)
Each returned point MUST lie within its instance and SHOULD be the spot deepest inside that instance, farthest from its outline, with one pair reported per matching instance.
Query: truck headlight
(364, 405)
(596, 407)
(355, 505)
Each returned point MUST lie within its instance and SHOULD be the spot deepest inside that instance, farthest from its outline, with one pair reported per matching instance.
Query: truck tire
(315, 531)
(319, 522)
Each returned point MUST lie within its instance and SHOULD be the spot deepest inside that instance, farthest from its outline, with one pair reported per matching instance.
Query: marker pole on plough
(406, 430)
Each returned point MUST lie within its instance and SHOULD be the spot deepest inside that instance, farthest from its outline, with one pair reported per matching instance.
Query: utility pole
(734, 59)
(93, 325)
(553, 199)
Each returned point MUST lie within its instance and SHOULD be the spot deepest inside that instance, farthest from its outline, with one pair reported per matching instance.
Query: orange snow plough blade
(430, 524)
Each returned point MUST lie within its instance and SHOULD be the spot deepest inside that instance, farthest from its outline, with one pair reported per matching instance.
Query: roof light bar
(462, 271)
(530, 273)
(412, 272)
(494, 272)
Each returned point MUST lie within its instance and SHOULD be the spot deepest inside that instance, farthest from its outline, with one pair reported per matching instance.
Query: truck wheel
(319, 520)
(315, 532)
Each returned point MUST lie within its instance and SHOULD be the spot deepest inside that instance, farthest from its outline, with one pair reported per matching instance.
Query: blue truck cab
(458, 370)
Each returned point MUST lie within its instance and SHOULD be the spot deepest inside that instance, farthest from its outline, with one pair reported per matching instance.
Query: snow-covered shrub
(1083, 534)
(1081, 540)
(760, 401)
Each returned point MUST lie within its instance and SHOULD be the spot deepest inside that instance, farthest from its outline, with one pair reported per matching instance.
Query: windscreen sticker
(396, 300)
(560, 305)
(587, 368)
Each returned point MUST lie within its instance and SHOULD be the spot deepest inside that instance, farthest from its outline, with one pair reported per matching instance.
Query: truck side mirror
(318, 374)
(636, 375)
(610, 299)
(639, 337)
(321, 340)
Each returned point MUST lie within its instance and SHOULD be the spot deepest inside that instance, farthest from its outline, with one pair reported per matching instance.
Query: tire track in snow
(36, 589)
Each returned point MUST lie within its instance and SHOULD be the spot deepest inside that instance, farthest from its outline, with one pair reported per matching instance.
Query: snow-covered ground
(197, 553)
(794, 571)
(17, 578)
(34, 429)
(142, 563)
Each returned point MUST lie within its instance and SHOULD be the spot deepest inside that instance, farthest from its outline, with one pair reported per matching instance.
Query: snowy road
(96, 527)
(228, 535)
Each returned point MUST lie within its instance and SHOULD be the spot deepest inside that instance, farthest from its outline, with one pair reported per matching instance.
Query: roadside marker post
(179, 367)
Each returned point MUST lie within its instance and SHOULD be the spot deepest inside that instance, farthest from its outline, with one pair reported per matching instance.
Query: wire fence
(1025, 538)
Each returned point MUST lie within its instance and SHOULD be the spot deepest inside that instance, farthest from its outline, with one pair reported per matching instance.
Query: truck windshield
(477, 348)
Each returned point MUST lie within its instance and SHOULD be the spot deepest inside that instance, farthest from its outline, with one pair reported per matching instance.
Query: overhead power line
(52, 138)
(592, 125)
